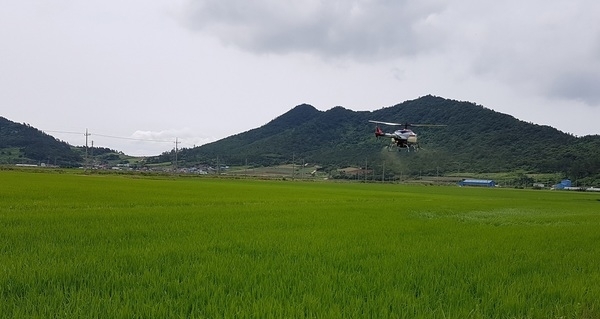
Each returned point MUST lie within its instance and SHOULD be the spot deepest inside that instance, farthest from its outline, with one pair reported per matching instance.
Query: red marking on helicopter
(402, 138)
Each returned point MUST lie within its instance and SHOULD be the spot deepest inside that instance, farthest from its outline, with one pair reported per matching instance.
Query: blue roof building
(477, 182)
(565, 183)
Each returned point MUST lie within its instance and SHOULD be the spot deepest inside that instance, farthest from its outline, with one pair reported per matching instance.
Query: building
(477, 182)
(564, 184)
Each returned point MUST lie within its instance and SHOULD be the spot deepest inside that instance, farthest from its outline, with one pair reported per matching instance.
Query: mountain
(24, 144)
(475, 139)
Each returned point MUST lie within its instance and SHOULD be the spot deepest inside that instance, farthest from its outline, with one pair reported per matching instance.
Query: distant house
(477, 182)
(564, 184)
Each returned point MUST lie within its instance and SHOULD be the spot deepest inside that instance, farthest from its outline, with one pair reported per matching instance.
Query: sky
(141, 75)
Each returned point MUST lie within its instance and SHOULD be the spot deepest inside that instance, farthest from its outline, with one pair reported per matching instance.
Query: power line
(62, 132)
(134, 139)
(111, 136)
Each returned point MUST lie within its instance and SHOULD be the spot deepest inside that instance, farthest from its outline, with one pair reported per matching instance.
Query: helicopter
(402, 138)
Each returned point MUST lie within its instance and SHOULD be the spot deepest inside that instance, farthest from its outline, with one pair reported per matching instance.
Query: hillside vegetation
(475, 139)
(24, 144)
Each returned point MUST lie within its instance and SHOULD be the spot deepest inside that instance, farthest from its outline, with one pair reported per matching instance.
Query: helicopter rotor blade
(407, 125)
(427, 125)
(386, 123)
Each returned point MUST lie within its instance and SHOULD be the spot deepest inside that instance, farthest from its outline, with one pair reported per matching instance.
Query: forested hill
(22, 143)
(474, 139)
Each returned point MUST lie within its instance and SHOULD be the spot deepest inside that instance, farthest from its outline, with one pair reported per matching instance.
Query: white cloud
(185, 137)
(538, 47)
(359, 29)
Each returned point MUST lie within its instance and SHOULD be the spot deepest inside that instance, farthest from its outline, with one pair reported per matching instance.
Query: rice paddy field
(126, 246)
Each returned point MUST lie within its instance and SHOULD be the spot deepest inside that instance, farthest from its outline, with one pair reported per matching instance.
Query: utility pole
(86, 149)
(92, 153)
(383, 174)
(176, 144)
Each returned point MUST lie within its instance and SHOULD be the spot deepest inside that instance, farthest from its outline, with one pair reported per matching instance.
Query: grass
(126, 246)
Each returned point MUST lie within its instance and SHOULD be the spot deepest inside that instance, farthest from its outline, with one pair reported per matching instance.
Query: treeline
(36, 146)
(475, 139)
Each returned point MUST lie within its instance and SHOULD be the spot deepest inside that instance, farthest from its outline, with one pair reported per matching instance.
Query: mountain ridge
(475, 138)
(32, 146)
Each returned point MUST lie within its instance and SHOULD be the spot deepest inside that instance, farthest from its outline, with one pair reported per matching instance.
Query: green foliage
(97, 151)
(35, 146)
(475, 139)
(127, 246)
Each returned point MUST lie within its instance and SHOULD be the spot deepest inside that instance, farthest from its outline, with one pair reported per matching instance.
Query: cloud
(577, 85)
(536, 47)
(359, 28)
(185, 137)
(551, 49)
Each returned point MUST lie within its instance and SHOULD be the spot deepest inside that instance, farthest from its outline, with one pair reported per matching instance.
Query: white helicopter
(402, 138)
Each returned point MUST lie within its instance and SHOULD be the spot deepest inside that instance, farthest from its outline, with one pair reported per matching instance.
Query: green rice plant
(128, 246)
